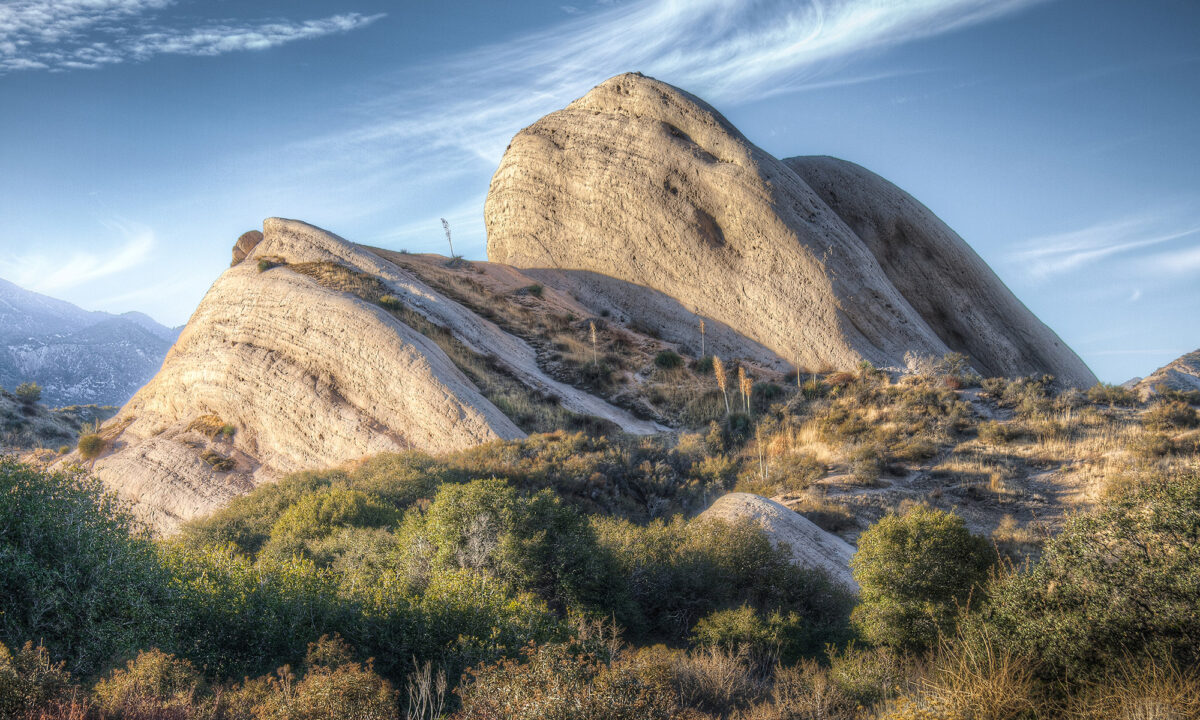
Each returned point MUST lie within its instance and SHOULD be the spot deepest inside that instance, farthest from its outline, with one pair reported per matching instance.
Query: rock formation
(811, 546)
(1182, 374)
(645, 195)
(277, 371)
(247, 242)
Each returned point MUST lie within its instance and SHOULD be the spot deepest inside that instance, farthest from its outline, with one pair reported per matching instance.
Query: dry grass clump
(209, 426)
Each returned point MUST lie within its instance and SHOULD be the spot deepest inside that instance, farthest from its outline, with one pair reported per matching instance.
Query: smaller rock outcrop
(1181, 374)
(811, 546)
(247, 242)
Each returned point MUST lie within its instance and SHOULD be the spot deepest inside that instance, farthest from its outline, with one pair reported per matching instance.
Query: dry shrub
(717, 680)
(1169, 415)
(207, 425)
(1150, 691)
(971, 678)
(152, 685)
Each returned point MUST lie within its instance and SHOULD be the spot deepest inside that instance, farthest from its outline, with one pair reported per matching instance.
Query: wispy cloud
(1042, 258)
(727, 51)
(49, 273)
(85, 34)
(455, 117)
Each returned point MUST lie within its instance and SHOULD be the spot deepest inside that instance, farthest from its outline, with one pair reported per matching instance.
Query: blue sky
(139, 138)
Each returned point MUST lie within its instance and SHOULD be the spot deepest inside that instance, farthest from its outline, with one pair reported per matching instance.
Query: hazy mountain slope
(77, 356)
(644, 183)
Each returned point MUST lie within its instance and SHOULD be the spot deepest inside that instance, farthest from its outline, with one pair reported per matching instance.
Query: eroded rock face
(811, 546)
(278, 372)
(643, 183)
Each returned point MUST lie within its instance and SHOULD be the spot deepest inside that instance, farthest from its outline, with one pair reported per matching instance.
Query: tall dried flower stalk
(722, 380)
(744, 385)
(446, 227)
(595, 360)
(702, 354)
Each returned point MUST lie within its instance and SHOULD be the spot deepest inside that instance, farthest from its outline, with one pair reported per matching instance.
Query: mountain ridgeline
(77, 357)
(634, 232)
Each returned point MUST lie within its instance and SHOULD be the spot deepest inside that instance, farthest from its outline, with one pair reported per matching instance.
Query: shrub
(29, 392)
(334, 687)
(1113, 395)
(764, 638)
(29, 680)
(534, 542)
(561, 682)
(91, 446)
(997, 433)
(668, 359)
(265, 264)
(1121, 583)
(217, 461)
(75, 568)
(1169, 415)
(867, 675)
(914, 570)
(151, 685)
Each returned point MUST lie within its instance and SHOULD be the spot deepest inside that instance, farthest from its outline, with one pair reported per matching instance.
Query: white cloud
(47, 274)
(85, 34)
(1047, 256)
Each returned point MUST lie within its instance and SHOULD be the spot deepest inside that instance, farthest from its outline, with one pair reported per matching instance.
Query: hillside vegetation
(1023, 552)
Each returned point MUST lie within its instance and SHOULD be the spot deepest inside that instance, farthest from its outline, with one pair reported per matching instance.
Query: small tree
(914, 571)
(29, 392)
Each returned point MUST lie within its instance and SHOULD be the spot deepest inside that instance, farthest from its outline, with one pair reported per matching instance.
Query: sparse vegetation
(91, 446)
(28, 392)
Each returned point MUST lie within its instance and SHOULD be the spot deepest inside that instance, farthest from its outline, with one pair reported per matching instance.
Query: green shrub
(77, 572)
(534, 542)
(265, 264)
(914, 571)
(91, 446)
(765, 638)
(29, 392)
(1119, 584)
(668, 359)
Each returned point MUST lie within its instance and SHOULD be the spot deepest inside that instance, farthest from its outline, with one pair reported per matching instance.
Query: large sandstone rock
(940, 276)
(639, 191)
(811, 546)
(305, 376)
(1182, 374)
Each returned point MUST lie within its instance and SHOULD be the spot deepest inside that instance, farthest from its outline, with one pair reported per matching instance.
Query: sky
(139, 138)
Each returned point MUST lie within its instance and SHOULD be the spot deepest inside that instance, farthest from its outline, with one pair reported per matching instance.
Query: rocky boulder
(645, 194)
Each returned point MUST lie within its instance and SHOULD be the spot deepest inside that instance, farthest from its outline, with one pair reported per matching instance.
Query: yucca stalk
(702, 355)
(595, 360)
(722, 380)
(446, 227)
(744, 385)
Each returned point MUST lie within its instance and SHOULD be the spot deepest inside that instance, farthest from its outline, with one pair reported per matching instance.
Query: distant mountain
(79, 357)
